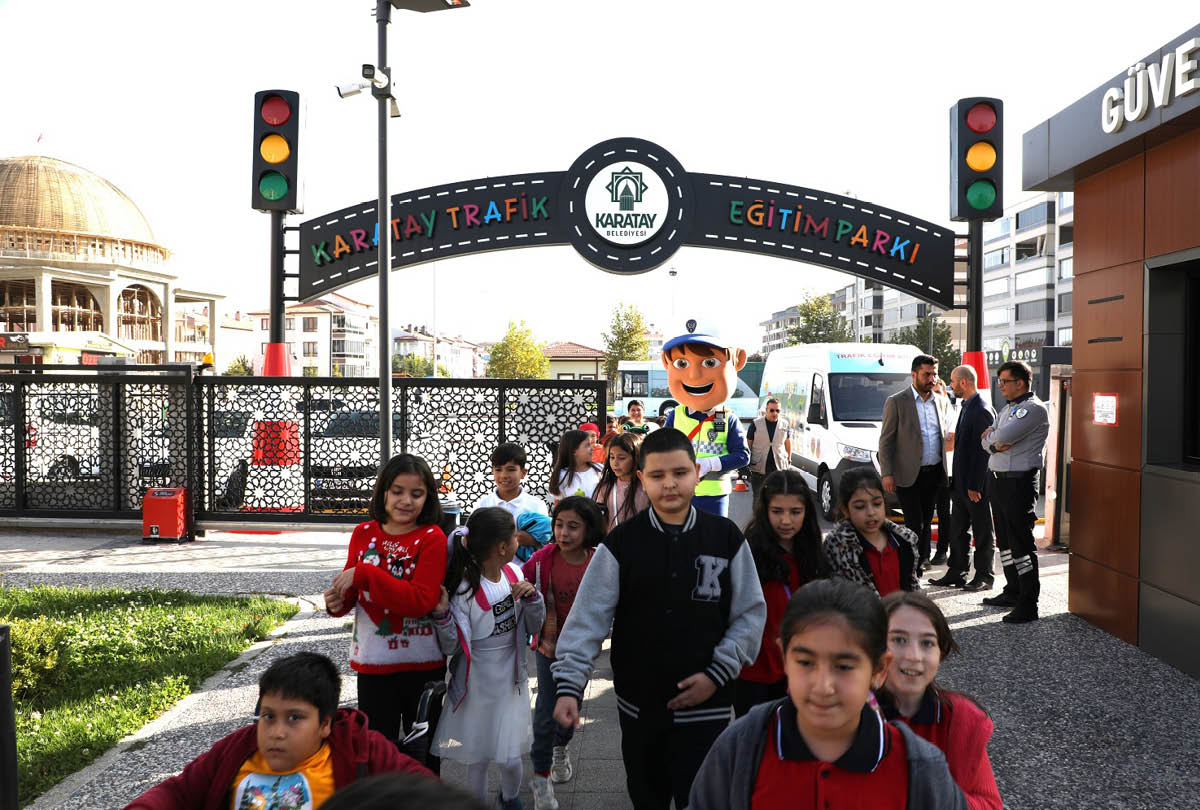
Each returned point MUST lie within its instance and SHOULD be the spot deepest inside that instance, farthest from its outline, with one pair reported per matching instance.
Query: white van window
(859, 397)
(817, 400)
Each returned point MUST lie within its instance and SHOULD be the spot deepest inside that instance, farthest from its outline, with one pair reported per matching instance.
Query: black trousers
(1013, 500)
(976, 517)
(391, 700)
(661, 762)
(945, 522)
(917, 502)
(748, 694)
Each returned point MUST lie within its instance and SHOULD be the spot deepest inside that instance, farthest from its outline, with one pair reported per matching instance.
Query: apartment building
(332, 336)
(458, 356)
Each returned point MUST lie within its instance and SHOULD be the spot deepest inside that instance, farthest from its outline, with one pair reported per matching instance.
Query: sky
(849, 97)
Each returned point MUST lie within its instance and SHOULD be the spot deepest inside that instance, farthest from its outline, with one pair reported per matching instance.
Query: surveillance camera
(347, 90)
(368, 71)
(395, 109)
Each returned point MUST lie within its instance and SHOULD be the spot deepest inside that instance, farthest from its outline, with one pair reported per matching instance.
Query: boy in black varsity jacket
(681, 593)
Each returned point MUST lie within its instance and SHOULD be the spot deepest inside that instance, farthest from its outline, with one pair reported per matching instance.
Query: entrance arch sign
(626, 205)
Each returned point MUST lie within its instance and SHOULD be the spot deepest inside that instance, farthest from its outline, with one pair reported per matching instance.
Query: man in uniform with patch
(1017, 445)
(702, 370)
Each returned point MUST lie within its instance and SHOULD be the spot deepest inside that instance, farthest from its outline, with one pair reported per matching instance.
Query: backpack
(429, 711)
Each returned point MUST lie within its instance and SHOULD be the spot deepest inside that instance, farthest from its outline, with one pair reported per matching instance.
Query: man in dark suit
(969, 488)
(912, 455)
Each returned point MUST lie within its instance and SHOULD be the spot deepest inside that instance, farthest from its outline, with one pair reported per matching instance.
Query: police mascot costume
(702, 372)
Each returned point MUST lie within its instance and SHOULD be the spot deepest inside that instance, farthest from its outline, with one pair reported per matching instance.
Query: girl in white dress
(486, 614)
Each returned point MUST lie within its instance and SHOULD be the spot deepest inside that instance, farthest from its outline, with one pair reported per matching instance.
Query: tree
(517, 356)
(240, 367)
(943, 347)
(757, 357)
(415, 366)
(819, 323)
(625, 338)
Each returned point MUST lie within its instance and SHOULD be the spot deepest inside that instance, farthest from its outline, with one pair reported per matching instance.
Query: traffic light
(977, 159)
(276, 181)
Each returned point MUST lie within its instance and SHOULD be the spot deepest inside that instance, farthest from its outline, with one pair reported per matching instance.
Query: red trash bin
(165, 515)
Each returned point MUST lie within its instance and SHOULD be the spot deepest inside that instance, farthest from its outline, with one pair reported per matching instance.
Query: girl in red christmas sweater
(392, 581)
(919, 639)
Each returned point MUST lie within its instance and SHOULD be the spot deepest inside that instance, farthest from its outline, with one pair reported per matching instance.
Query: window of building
(1029, 340)
(566, 376)
(1066, 268)
(1031, 279)
(910, 311)
(997, 228)
(289, 324)
(996, 258)
(1042, 309)
(1066, 200)
(264, 348)
(995, 286)
(139, 314)
(310, 371)
(1064, 303)
(310, 324)
(1064, 336)
(73, 308)
(1066, 235)
(265, 324)
(891, 315)
(993, 344)
(997, 316)
(1031, 248)
(19, 310)
(310, 348)
(1039, 214)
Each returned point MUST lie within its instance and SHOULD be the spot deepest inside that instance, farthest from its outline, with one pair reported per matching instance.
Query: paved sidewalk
(1082, 719)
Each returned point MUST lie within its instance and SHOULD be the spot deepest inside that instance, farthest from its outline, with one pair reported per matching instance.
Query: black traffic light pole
(383, 14)
(276, 328)
(975, 285)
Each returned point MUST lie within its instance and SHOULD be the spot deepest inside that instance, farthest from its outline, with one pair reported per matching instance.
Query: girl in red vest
(919, 639)
(785, 538)
(823, 746)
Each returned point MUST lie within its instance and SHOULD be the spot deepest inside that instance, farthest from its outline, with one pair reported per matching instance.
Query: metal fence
(78, 444)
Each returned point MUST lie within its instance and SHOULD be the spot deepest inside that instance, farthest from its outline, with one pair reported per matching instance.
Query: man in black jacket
(969, 488)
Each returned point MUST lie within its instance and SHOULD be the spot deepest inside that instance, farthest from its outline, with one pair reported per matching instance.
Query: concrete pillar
(111, 304)
(214, 321)
(43, 302)
(168, 317)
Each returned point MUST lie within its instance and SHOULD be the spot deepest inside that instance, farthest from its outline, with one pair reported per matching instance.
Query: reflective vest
(707, 443)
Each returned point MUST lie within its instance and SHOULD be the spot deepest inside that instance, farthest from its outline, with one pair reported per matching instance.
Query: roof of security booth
(1074, 144)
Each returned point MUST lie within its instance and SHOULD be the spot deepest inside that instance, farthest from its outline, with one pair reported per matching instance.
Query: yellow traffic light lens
(981, 156)
(275, 149)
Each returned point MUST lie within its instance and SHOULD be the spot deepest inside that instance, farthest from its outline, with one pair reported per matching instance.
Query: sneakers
(543, 794)
(561, 770)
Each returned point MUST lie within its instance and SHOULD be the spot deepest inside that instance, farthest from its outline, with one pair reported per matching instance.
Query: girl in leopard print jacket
(852, 556)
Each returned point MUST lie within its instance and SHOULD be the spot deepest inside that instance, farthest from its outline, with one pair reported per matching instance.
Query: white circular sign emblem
(627, 203)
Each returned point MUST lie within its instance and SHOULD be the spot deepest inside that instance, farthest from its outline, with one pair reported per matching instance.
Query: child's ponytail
(486, 528)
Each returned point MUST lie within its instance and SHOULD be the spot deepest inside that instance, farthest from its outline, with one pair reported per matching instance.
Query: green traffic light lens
(273, 186)
(981, 194)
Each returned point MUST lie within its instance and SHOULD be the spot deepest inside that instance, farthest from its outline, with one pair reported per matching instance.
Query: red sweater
(205, 783)
(768, 667)
(962, 732)
(397, 584)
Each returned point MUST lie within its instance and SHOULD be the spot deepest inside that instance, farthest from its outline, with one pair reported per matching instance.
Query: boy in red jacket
(301, 749)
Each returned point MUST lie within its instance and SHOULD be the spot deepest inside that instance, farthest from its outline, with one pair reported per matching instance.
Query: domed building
(82, 276)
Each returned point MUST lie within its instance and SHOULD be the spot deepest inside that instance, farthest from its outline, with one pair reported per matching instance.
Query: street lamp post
(379, 78)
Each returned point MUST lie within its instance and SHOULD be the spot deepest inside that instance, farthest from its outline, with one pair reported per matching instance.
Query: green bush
(40, 651)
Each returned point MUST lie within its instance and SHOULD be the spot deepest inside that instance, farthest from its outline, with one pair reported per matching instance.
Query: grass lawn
(130, 656)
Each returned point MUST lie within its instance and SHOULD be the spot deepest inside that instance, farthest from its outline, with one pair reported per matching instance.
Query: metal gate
(276, 449)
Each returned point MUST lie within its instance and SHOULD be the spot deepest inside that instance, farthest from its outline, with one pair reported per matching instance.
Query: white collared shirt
(931, 428)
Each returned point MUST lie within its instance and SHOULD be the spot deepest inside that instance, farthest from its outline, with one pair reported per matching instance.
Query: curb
(57, 795)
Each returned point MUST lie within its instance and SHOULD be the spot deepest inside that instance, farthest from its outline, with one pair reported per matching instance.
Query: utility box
(166, 515)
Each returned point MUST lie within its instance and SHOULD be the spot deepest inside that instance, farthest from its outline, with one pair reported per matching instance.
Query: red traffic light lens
(275, 111)
(981, 118)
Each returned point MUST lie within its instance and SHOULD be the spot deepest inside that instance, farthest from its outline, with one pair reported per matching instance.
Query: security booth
(1130, 151)
(1039, 359)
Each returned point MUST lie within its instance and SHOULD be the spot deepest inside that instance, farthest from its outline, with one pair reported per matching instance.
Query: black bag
(429, 711)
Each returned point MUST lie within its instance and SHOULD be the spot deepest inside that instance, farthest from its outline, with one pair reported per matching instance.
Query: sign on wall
(1104, 409)
(626, 205)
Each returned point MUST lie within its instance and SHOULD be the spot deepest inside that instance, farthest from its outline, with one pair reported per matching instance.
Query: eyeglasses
(1006, 380)
(772, 410)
